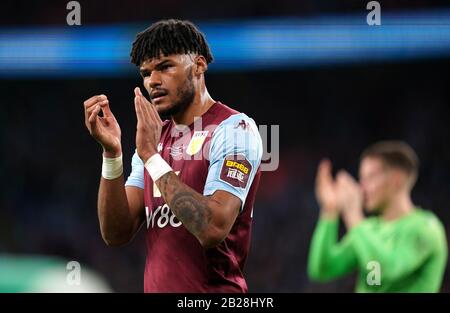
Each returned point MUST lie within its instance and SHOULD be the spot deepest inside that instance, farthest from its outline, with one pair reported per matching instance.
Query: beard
(185, 96)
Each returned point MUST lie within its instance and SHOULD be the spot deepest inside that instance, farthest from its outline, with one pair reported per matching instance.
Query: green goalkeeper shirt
(405, 255)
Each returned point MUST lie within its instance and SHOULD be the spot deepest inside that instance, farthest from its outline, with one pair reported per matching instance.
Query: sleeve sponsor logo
(236, 170)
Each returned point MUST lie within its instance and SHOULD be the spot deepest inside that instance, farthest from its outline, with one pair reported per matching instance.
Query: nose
(155, 80)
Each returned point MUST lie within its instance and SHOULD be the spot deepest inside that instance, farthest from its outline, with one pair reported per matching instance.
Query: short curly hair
(169, 37)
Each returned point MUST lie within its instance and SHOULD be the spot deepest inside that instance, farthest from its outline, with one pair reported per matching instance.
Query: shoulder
(424, 227)
(223, 110)
(239, 121)
(223, 114)
(234, 131)
(428, 221)
(228, 118)
(238, 130)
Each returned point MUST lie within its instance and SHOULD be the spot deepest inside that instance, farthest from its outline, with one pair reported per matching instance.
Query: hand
(149, 126)
(326, 190)
(350, 199)
(104, 129)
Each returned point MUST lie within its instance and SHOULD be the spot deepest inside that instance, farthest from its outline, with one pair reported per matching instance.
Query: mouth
(158, 96)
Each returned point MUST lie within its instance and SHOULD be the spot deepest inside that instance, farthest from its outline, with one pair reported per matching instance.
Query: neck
(399, 206)
(201, 103)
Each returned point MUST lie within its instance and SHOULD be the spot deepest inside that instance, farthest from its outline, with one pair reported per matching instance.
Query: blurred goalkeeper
(402, 249)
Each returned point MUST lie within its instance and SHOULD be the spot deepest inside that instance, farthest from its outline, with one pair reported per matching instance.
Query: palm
(108, 131)
(325, 187)
(350, 199)
(149, 126)
(327, 195)
(350, 195)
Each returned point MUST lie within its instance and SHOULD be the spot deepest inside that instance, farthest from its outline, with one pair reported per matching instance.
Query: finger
(341, 178)
(150, 108)
(141, 94)
(352, 182)
(136, 92)
(145, 109)
(90, 110)
(146, 101)
(346, 182)
(347, 177)
(324, 171)
(155, 112)
(325, 166)
(140, 114)
(93, 100)
(320, 171)
(106, 109)
(93, 116)
(137, 109)
(342, 173)
(91, 104)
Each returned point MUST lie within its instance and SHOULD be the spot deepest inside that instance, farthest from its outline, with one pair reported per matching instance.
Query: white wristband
(157, 167)
(112, 167)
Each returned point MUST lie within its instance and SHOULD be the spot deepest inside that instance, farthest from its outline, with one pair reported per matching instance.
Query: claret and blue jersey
(222, 152)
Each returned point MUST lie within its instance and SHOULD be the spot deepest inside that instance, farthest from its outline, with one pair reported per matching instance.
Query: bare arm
(208, 218)
(328, 258)
(120, 209)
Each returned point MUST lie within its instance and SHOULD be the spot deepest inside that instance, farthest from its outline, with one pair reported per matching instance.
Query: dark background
(53, 12)
(51, 167)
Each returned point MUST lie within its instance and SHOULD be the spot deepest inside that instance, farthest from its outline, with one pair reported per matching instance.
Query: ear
(201, 66)
(399, 178)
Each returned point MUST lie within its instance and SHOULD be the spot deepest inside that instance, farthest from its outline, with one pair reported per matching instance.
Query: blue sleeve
(136, 177)
(235, 156)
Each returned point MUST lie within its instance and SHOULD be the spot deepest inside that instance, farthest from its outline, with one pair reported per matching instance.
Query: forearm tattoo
(189, 206)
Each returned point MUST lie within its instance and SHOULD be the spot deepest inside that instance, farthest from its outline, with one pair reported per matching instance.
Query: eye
(165, 67)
